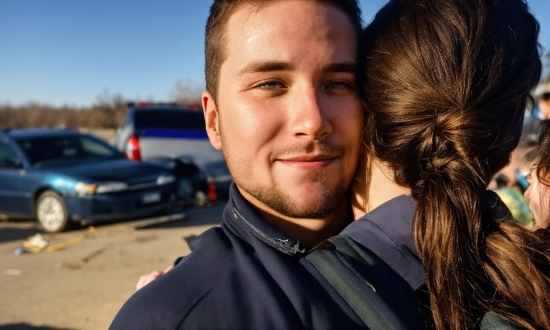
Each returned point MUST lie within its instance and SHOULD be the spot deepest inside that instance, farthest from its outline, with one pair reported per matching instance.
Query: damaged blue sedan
(62, 177)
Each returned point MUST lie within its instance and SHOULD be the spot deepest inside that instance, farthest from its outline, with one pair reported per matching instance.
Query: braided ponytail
(446, 85)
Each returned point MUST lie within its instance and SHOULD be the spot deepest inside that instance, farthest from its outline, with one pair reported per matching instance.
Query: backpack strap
(326, 257)
(493, 321)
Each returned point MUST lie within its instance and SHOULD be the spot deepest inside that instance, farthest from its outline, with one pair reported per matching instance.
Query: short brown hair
(221, 10)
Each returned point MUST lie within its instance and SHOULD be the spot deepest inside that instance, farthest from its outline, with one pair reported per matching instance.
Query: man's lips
(308, 162)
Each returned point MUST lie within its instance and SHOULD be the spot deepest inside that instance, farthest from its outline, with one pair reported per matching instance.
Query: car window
(8, 157)
(57, 149)
(96, 148)
(169, 119)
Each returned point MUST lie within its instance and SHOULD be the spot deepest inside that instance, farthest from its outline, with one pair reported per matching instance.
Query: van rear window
(169, 119)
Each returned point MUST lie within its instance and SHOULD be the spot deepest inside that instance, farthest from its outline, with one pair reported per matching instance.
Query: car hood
(108, 170)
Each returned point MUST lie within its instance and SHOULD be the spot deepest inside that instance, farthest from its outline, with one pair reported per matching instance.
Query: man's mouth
(308, 162)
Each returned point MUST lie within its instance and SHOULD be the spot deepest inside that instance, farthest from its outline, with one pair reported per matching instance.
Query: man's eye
(340, 86)
(337, 84)
(270, 85)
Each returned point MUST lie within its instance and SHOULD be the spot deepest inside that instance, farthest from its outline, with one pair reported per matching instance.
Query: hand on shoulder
(150, 277)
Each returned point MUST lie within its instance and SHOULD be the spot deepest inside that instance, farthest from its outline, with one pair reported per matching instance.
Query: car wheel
(51, 212)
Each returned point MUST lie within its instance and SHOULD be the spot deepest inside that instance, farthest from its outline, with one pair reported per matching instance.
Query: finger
(169, 268)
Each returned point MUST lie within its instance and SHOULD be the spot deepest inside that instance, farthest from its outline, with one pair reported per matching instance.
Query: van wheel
(51, 212)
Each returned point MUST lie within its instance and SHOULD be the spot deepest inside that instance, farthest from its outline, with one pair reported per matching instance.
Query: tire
(51, 212)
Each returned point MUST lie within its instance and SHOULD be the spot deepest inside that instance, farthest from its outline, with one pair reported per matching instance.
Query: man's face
(538, 197)
(287, 115)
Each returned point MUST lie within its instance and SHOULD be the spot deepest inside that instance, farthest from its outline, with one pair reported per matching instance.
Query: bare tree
(187, 92)
(108, 111)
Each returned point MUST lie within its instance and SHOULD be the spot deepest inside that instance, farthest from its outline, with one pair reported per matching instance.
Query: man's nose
(309, 115)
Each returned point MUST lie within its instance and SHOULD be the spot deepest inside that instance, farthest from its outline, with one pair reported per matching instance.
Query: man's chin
(295, 199)
(306, 204)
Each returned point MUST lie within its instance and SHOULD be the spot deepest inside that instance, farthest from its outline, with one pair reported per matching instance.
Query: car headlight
(165, 179)
(111, 187)
(85, 188)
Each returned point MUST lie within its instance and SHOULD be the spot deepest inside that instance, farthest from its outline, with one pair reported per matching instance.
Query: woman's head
(538, 193)
(447, 82)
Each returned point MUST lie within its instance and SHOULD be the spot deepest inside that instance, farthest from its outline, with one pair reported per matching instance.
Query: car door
(14, 198)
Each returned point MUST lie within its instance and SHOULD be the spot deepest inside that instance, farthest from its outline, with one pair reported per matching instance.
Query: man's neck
(309, 232)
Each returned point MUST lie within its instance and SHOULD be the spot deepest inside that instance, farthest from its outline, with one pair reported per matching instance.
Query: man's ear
(211, 119)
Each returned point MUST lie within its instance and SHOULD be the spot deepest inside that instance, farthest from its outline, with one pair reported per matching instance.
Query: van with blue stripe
(153, 131)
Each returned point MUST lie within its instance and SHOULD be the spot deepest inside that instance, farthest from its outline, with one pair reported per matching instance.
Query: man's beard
(277, 200)
(275, 197)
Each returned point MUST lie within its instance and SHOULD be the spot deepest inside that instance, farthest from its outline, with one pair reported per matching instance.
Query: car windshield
(169, 119)
(52, 150)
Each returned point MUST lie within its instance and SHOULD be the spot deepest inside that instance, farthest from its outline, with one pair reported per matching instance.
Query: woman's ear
(211, 119)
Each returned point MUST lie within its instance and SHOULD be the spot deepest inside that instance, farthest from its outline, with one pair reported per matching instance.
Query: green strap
(329, 265)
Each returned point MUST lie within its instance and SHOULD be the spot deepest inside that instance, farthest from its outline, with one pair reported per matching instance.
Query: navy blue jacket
(387, 231)
(242, 275)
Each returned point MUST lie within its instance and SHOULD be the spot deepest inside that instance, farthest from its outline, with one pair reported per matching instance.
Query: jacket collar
(387, 231)
(240, 216)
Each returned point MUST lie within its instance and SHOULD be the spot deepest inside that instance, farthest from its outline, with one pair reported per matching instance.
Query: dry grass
(36, 115)
(107, 134)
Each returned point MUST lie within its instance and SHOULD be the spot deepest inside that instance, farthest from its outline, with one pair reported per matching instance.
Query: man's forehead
(248, 10)
(276, 32)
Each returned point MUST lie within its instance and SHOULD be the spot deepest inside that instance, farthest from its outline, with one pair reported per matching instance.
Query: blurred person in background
(540, 112)
(514, 173)
(538, 193)
(511, 182)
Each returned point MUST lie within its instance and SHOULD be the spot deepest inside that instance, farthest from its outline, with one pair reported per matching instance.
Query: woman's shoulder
(493, 321)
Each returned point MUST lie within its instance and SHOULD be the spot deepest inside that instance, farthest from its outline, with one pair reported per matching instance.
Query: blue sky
(60, 52)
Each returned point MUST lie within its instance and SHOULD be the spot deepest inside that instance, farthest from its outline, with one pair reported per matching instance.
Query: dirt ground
(83, 285)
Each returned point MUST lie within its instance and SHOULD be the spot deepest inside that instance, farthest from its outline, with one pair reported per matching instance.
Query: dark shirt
(242, 275)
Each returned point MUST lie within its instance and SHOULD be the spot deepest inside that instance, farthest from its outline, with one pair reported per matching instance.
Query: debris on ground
(93, 255)
(20, 251)
(150, 223)
(37, 243)
(62, 245)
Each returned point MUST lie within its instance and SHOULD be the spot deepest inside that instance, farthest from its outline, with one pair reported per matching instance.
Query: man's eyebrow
(269, 66)
(266, 67)
(350, 67)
